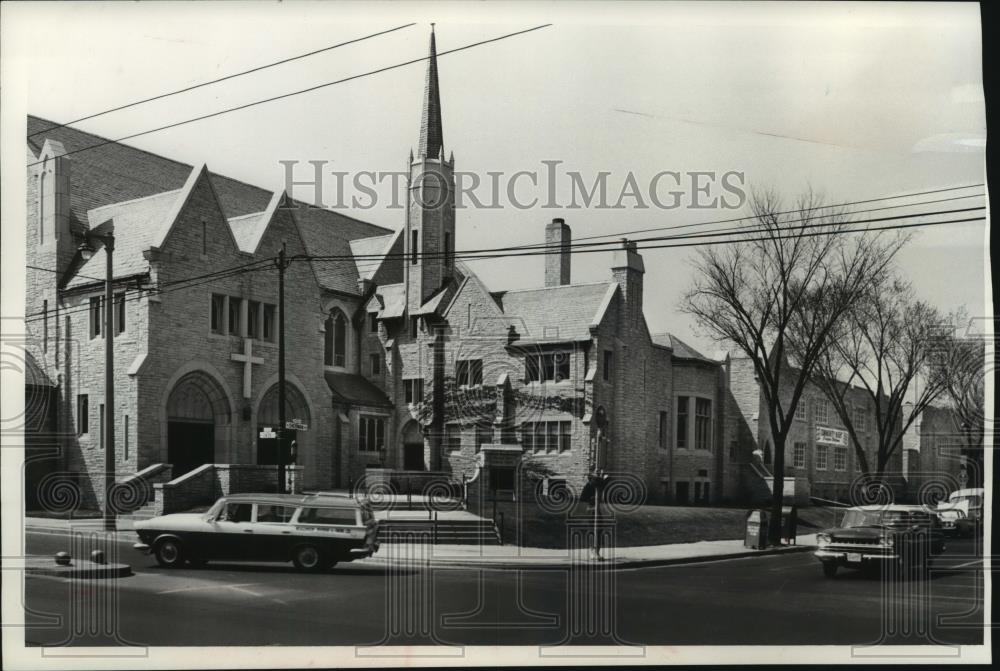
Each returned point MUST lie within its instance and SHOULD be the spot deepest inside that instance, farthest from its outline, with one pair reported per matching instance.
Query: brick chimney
(557, 234)
(627, 268)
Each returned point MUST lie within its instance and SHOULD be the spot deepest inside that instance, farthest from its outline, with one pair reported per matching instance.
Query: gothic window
(96, 316)
(335, 340)
(235, 316)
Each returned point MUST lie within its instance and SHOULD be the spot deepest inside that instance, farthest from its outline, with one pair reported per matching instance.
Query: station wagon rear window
(274, 513)
(328, 516)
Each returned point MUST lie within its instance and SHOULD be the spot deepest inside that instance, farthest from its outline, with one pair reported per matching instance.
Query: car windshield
(974, 500)
(869, 518)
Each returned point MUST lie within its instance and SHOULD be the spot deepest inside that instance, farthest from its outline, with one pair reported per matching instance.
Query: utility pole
(109, 383)
(282, 265)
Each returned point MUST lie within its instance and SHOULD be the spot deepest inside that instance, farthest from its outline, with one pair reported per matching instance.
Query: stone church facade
(399, 360)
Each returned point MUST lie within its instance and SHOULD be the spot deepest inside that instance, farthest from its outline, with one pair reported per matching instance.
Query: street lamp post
(87, 251)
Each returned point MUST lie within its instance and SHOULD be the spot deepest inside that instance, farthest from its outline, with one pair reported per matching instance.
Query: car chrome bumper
(826, 555)
(141, 547)
(361, 553)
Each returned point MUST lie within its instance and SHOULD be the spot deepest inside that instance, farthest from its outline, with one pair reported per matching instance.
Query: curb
(45, 566)
(561, 564)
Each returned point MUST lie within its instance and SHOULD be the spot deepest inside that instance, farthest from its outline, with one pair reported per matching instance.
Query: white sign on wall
(828, 436)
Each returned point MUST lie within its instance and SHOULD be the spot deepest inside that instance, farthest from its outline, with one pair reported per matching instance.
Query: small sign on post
(296, 425)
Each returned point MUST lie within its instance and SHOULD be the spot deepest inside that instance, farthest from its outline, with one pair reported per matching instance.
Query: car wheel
(169, 553)
(829, 569)
(308, 558)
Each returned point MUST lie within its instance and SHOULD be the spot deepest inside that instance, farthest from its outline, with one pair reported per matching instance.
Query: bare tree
(886, 344)
(779, 289)
(961, 363)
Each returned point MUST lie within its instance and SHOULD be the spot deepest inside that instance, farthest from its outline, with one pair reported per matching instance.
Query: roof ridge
(57, 126)
(134, 200)
(561, 286)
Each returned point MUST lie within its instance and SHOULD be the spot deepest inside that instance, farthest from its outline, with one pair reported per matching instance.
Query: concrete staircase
(440, 532)
(142, 513)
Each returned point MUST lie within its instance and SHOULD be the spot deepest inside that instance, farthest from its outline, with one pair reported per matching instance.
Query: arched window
(335, 340)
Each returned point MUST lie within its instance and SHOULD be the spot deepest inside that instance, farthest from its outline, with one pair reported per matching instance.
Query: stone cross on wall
(248, 360)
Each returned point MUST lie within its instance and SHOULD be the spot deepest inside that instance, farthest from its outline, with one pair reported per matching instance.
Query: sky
(853, 101)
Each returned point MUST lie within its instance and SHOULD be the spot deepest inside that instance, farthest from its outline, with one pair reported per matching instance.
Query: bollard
(97, 556)
(63, 558)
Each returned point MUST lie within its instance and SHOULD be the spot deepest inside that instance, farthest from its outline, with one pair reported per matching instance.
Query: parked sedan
(313, 532)
(895, 537)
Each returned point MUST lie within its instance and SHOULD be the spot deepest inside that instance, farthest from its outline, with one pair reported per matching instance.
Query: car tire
(169, 553)
(829, 569)
(308, 558)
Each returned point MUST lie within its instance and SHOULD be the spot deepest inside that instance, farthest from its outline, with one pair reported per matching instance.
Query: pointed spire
(431, 133)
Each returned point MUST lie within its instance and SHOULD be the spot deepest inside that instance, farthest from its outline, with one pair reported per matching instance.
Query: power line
(821, 207)
(795, 233)
(688, 240)
(533, 250)
(299, 92)
(220, 79)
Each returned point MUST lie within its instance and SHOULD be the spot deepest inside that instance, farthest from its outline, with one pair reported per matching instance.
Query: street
(771, 600)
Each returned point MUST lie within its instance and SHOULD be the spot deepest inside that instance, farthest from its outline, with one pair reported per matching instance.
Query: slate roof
(248, 230)
(393, 300)
(556, 314)
(681, 349)
(369, 247)
(355, 390)
(117, 173)
(34, 375)
(138, 224)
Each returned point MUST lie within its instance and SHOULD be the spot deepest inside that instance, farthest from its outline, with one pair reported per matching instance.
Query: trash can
(756, 529)
(789, 522)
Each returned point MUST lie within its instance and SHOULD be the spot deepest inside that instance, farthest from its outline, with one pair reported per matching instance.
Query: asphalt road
(772, 600)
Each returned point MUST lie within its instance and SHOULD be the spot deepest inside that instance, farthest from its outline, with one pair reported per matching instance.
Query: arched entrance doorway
(413, 447)
(197, 406)
(296, 412)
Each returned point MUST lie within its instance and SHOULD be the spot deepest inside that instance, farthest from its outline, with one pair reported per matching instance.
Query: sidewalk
(513, 557)
(509, 556)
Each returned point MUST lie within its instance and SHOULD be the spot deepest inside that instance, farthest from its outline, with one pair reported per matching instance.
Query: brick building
(402, 360)
(933, 461)
(820, 459)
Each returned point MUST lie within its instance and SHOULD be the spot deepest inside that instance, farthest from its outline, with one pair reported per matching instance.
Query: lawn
(647, 525)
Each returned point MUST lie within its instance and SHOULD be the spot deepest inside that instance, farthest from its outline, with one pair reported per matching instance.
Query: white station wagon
(312, 531)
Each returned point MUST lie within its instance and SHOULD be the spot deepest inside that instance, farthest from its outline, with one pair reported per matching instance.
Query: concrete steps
(441, 532)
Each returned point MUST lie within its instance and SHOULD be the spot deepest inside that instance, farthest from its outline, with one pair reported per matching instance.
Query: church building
(401, 361)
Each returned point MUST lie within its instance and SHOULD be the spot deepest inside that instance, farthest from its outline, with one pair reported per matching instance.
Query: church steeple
(430, 213)
(431, 132)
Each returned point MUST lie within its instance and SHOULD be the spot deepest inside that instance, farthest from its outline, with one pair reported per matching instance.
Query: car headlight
(888, 541)
(823, 539)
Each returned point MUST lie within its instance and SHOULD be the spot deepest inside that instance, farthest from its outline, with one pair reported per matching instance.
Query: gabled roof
(681, 350)
(34, 374)
(115, 173)
(138, 224)
(365, 250)
(248, 230)
(393, 300)
(556, 314)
